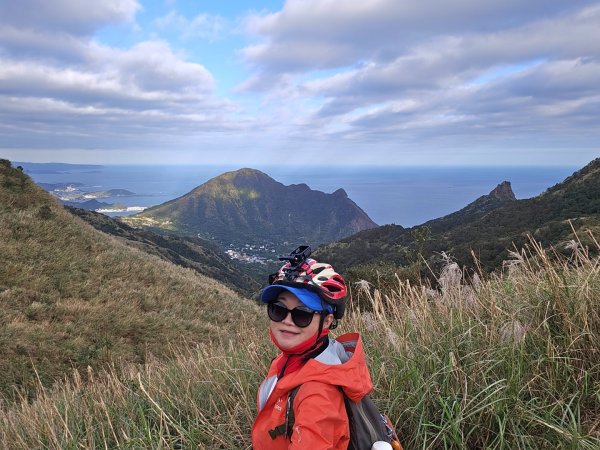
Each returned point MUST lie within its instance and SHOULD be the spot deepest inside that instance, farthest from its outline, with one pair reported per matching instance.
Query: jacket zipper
(359, 407)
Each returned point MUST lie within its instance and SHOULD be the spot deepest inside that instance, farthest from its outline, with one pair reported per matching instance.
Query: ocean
(404, 196)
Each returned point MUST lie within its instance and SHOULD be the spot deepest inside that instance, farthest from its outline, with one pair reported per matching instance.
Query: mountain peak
(244, 173)
(249, 171)
(503, 192)
(248, 205)
(236, 181)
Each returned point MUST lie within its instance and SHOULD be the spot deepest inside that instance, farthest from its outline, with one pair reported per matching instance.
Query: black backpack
(367, 424)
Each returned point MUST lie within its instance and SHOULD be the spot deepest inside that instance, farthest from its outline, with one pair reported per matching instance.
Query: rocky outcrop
(503, 192)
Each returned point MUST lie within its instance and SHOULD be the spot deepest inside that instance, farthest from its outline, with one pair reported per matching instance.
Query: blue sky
(300, 82)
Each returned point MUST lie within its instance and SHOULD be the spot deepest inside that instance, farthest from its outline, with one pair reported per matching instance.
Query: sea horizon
(401, 195)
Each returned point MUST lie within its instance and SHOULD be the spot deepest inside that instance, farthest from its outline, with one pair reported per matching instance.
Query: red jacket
(321, 422)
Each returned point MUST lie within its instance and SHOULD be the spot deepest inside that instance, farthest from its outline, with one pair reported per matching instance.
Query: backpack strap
(366, 423)
(286, 428)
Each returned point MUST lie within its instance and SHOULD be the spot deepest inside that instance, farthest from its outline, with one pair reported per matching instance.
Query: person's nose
(288, 318)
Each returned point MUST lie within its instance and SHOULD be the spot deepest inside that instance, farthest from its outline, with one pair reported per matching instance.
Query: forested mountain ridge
(248, 206)
(499, 196)
(489, 227)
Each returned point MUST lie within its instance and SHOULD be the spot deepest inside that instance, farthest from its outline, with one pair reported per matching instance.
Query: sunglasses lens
(276, 312)
(300, 317)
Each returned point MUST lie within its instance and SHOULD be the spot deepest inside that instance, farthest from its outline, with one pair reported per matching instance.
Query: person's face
(286, 332)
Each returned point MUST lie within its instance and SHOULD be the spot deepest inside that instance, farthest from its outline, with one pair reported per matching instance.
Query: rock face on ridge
(503, 192)
(249, 206)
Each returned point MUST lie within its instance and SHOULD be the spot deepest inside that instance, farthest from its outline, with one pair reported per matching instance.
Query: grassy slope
(198, 254)
(71, 296)
(509, 362)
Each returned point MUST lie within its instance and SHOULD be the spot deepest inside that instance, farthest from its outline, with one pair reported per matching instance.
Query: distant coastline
(404, 196)
(121, 210)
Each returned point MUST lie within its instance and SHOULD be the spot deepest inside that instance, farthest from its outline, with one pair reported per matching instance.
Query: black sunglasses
(302, 317)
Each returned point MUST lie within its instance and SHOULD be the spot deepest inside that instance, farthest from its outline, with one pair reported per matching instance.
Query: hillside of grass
(72, 297)
(195, 253)
(506, 361)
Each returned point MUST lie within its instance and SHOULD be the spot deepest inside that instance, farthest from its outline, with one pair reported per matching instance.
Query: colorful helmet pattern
(317, 277)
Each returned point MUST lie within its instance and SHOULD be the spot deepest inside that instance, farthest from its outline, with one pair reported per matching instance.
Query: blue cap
(310, 299)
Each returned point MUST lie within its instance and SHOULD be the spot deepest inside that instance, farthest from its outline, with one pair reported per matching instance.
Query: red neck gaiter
(295, 357)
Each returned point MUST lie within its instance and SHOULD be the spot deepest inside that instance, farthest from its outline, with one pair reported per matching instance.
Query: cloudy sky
(300, 81)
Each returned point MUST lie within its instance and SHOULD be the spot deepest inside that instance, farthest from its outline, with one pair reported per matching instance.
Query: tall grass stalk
(507, 362)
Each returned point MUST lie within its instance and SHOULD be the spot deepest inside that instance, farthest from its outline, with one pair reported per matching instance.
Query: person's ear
(328, 321)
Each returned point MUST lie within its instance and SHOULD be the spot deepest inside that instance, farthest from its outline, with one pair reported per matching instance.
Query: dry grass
(71, 296)
(201, 399)
(506, 362)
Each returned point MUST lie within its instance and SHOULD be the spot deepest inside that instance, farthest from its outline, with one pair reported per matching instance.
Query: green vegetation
(249, 207)
(489, 228)
(508, 360)
(195, 253)
(505, 362)
(72, 297)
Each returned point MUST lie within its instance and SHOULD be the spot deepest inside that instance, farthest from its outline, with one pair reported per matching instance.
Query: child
(305, 300)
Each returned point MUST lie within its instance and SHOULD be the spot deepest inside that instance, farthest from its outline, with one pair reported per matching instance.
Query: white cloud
(324, 75)
(59, 85)
(153, 66)
(488, 69)
(148, 72)
(341, 34)
(79, 17)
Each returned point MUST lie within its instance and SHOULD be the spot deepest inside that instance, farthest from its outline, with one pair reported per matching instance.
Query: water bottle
(381, 445)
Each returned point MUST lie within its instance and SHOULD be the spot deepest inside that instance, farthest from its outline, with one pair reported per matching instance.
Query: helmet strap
(326, 312)
(334, 324)
(320, 343)
(321, 323)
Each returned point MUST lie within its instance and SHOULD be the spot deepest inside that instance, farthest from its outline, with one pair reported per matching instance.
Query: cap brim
(308, 298)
